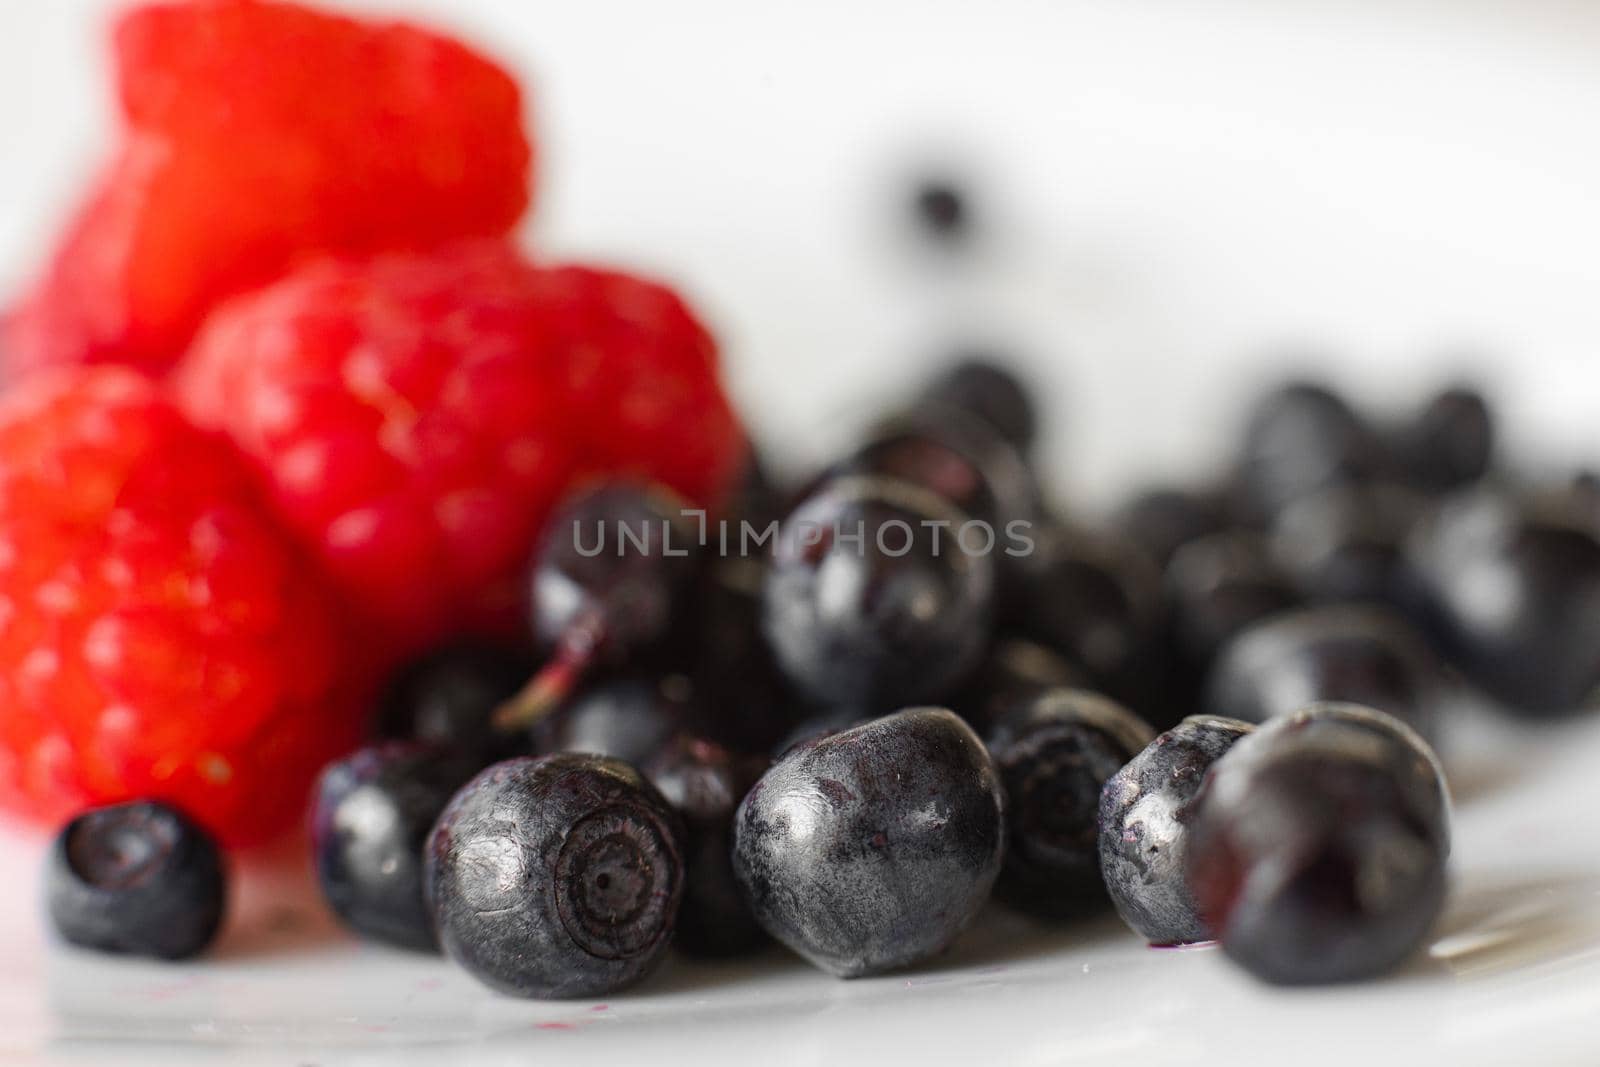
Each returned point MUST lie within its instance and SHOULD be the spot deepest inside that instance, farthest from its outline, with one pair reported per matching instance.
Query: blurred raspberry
(416, 417)
(159, 636)
(260, 132)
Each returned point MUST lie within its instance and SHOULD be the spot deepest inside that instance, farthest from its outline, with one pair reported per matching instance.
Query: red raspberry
(159, 636)
(260, 132)
(416, 417)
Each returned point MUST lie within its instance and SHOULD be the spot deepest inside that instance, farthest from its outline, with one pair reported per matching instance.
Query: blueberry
(138, 878)
(625, 718)
(1349, 543)
(612, 580)
(867, 605)
(1318, 846)
(1161, 521)
(1055, 753)
(449, 696)
(370, 818)
(873, 848)
(1145, 810)
(953, 452)
(556, 877)
(1218, 585)
(1300, 438)
(1096, 602)
(979, 383)
(1351, 653)
(1450, 442)
(1514, 583)
(1012, 672)
(940, 208)
(704, 783)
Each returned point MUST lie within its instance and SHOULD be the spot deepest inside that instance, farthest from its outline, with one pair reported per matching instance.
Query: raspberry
(416, 417)
(159, 636)
(260, 132)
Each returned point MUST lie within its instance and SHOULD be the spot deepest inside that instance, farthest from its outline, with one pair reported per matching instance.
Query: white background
(1171, 189)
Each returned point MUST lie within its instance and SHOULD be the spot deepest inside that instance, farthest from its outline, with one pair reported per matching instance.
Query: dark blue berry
(1318, 846)
(821, 724)
(1300, 438)
(866, 606)
(873, 848)
(704, 783)
(1055, 753)
(556, 877)
(138, 878)
(449, 696)
(979, 383)
(1449, 443)
(1346, 652)
(1514, 585)
(940, 208)
(625, 718)
(1145, 811)
(370, 819)
(1349, 543)
(1093, 600)
(613, 579)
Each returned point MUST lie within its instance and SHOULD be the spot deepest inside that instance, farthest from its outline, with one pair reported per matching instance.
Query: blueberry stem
(554, 682)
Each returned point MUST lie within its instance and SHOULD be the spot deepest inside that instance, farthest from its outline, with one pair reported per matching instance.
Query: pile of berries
(287, 406)
(840, 715)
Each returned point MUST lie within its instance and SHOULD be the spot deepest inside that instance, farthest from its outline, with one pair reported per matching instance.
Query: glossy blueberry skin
(1318, 847)
(856, 625)
(448, 696)
(589, 571)
(873, 848)
(1349, 542)
(1145, 811)
(1096, 602)
(1351, 653)
(1514, 585)
(981, 384)
(625, 718)
(1448, 444)
(1161, 521)
(704, 783)
(1013, 672)
(370, 818)
(1055, 753)
(137, 879)
(1300, 438)
(556, 877)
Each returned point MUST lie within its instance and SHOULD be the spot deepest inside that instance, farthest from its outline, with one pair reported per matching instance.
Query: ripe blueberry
(873, 848)
(1318, 846)
(704, 783)
(138, 878)
(370, 819)
(1145, 810)
(1055, 753)
(556, 877)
